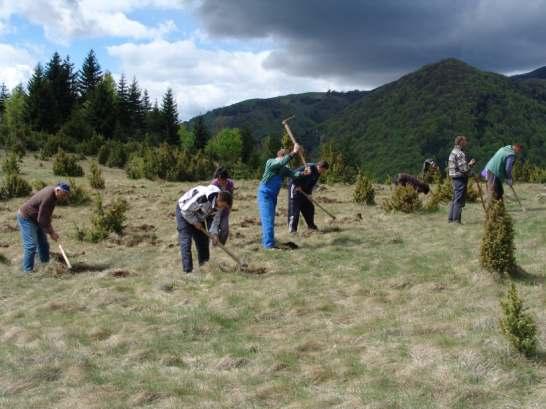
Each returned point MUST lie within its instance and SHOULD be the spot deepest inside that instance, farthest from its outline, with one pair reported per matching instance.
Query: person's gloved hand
(509, 182)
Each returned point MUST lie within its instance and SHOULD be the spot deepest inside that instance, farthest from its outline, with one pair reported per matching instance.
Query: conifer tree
(169, 114)
(201, 133)
(90, 75)
(497, 245)
(4, 95)
(38, 102)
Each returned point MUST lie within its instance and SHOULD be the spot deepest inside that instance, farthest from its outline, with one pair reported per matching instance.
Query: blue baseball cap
(65, 187)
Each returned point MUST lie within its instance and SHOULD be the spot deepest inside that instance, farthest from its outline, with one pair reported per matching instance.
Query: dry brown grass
(375, 311)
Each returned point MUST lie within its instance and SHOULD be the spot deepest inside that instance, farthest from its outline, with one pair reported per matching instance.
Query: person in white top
(192, 210)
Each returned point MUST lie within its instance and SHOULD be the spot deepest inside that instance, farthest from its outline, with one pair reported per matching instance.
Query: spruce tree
(497, 245)
(136, 113)
(146, 105)
(123, 114)
(90, 75)
(62, 88)
(248, 145)
(201, 133)
(169, 112)
(4, 95)
(38, 102)
(100, 107)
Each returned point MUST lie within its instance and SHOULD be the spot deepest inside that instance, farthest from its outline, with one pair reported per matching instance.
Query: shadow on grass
(539, 357)
(519, 274)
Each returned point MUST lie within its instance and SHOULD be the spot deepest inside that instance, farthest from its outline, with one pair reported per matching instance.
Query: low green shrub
(14, 186)
(65, 164)
(364, 192)
(497, 244)
(518, 325)
(96, 180)
(403, 199)
(105, 220)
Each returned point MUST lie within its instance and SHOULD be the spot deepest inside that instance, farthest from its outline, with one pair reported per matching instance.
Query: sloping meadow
(378, 310)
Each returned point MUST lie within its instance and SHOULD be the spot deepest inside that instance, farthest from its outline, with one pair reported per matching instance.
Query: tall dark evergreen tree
(4, 95)
(62, 87)
(248, 145)
(169, 113)
(136, 112)
(39, 101)
(123, 110)
(154, 124)
(89, 76)
(100, 107)
(201, 133)
(146, 104)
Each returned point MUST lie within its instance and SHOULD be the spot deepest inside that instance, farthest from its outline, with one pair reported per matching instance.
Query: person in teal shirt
(499, 170)
(268, 190)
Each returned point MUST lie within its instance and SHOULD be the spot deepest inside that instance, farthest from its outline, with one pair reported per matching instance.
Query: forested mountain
(539, 73)
(385, 131)
(263, 116)
(398, 125)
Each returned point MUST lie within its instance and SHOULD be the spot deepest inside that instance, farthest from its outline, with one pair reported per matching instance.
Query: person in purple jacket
(223, 181)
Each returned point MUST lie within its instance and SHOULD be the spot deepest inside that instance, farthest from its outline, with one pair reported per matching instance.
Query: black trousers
(298, 203)
(459, 199)
(187, 232)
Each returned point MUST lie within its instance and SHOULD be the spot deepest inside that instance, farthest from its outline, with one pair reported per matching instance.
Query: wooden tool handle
(226, 250)
(291, 135)
(65, 258)
(310, 198)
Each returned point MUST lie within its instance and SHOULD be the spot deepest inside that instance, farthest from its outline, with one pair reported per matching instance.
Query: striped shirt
(458, 166)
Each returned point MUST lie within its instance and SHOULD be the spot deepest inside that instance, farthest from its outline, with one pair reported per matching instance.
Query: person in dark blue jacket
(298, 202)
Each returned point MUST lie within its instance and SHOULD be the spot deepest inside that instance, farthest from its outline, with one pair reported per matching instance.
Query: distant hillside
(398, 125)
(539, 73)
(263, 116)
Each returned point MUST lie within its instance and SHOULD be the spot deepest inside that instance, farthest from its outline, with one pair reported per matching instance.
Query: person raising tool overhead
(268, 191)
(298, 196)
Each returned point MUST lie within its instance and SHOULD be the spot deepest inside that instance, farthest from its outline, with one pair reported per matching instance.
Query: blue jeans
(267, 202)
(34, 239)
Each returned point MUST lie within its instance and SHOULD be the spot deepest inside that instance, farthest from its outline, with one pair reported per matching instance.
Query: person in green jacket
(270, 185)
(499, 170)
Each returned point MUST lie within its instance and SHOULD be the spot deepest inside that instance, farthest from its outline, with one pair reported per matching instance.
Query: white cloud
(64, 20)
(16, 65)
(203, 79)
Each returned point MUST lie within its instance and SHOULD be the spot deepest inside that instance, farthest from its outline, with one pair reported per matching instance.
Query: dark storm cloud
(369, 41)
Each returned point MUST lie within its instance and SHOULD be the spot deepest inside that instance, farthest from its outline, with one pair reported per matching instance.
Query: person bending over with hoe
(459, 169)
(223, 182)
(403, 179)
(34, 220)
(298, 190)
(192, 210)
(499, 169)
(268, 190)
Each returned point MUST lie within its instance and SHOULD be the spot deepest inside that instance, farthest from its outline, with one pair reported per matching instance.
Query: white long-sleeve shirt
(198, 203)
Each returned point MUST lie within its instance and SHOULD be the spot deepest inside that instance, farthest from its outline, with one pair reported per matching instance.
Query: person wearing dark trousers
(298, 202)
(499, 170)
(223, 181)
(192, 210)
(459, 169)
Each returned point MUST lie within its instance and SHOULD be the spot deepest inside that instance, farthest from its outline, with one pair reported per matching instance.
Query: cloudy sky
(217, 52)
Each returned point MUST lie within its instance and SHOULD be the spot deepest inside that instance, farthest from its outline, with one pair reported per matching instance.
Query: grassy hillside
(378, 311)
(263, 116)
(418, 116)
